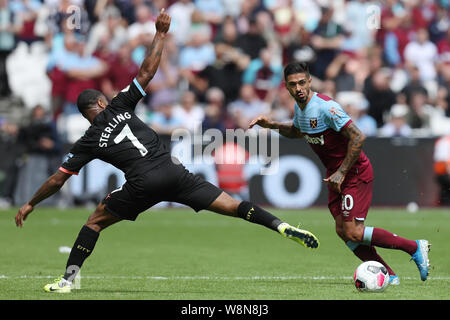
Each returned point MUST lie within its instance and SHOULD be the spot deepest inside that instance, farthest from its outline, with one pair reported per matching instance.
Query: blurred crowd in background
(386, 62)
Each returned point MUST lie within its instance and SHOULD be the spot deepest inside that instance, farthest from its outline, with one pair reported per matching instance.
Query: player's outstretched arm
(49, 188)
(285, 129)
(355, 143)
(151, 62)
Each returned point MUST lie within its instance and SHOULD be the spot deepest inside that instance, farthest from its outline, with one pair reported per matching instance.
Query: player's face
(298, 85)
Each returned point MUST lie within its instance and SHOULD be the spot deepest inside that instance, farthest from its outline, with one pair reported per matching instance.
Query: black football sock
(255, 214)
(82, 248)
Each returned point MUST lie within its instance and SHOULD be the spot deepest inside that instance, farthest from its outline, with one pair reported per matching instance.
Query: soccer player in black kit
(118, 137)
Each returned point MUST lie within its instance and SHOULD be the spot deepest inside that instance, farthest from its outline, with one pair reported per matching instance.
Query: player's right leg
(226, 205)
(82, 248)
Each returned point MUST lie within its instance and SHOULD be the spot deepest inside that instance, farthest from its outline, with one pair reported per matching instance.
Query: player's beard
(303, 99)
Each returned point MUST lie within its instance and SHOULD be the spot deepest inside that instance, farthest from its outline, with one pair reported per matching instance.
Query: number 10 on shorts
(347, 202)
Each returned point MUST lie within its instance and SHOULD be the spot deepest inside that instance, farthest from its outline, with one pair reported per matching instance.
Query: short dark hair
(296, 67)
(87, 99)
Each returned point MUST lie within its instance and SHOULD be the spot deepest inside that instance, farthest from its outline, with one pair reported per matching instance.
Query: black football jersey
(119, 137)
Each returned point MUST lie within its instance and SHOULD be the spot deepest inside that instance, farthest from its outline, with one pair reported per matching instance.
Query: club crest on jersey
(313, 123)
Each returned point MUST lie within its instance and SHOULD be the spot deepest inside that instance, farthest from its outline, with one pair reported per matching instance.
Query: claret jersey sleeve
(128, 98)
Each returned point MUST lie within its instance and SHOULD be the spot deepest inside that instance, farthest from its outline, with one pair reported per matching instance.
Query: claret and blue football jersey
(321, 122)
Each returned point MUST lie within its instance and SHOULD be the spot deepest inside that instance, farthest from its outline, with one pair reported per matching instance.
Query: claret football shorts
(354, 200)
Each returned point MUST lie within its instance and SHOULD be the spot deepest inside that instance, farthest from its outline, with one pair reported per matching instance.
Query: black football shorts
(167, 182)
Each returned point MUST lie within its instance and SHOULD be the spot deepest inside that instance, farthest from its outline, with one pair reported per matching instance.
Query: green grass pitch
(173, 254)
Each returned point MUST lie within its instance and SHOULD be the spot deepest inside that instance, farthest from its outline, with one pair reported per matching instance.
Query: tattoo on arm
(151, 62)
(356, 140)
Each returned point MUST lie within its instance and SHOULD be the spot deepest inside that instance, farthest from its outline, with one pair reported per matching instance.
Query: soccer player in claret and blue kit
(338, 142)
(117, 136)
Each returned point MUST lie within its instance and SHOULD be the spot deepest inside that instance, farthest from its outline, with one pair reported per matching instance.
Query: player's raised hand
(23, 213)
(163, 22)
(262, 121)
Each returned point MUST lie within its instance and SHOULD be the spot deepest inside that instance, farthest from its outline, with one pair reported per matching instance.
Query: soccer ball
(371, 276)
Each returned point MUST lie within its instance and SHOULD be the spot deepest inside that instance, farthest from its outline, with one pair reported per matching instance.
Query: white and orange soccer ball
(371, 276)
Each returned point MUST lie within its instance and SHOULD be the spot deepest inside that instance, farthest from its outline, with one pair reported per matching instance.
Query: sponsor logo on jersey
(315, 140)
(67, 157)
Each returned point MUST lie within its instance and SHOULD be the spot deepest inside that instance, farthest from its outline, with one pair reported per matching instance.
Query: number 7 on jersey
(127, 133)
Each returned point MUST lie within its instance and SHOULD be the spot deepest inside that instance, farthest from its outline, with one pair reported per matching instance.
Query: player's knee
(340, 232)
(353, 234)
(99, 220)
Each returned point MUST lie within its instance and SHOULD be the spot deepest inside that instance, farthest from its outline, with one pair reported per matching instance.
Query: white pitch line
(220, 278)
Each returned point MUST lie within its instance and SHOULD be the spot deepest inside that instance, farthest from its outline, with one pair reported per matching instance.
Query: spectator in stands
(121, 71)
(379, 95)
(10, 160)
(42, 147)
(442, 168)
(297, 46)
(180, 13)
(420, 112)
(397, 125)
(225, 73)
(348, 71)
(58, 54)
(356, 107)
(141, 32)
(163, 120)
(199, 51)
(444, 49)
(443, 94)
(212, 11)
(144, 24)
(265, 74)
(7, 44)
(356, 24)
(440, 25)
(247, 107)
(215, 111)
(110, 23)
(252, 42)
(82, 72)
(423, 54)
(326, 41)
(283, 108)
(414, 85)
(25, 15)
(189, 111)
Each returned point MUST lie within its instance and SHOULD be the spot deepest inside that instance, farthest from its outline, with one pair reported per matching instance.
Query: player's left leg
(199, 194)
(418, 249)
(356, 198)
(83, 247)
(349, 210)
(227, 205)
(362, 251)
